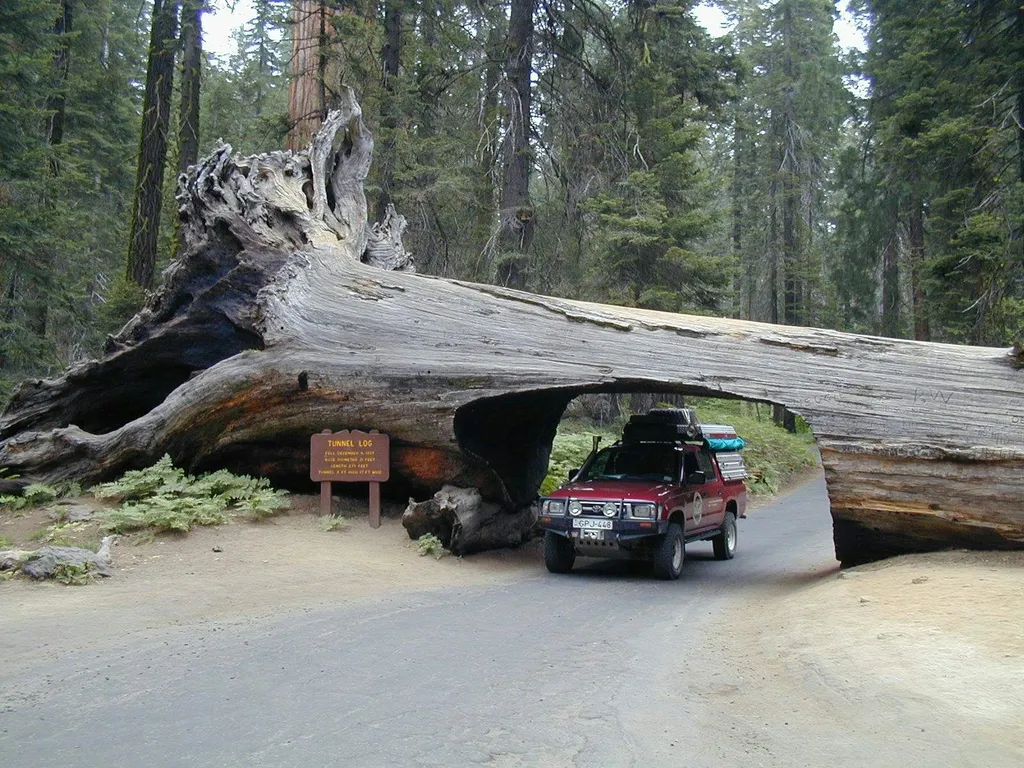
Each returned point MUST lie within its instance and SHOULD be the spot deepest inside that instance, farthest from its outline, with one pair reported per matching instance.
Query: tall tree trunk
(517, 212)
(191, 63)
(790, 256)
(739, 287)
(488, 154)
(773, 250)
(156, 116)
(890, 287)
(1019, 35)
(307, 102)
(434, 256)
(915, 237)
(57, 100)
(1019, 40)
(391, 58)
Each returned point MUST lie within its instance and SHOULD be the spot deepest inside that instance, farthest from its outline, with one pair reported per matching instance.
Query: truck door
(696, 511)
(712, 492)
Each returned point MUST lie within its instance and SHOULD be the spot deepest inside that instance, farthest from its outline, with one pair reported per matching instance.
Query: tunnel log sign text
(350, 457)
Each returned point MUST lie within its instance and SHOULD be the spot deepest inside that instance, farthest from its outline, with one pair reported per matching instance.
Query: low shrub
(72, 574)
(327, 523)
(164, 498)
(34, 495)
(429, 544)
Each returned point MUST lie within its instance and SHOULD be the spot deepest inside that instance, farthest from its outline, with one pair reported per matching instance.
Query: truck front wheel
(670, 553)
(559, 553)
(725, 542)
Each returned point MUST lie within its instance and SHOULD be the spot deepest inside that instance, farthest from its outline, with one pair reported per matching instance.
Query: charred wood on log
(270, 327)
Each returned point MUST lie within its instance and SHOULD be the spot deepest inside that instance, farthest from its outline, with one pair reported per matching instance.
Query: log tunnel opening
(513, 433)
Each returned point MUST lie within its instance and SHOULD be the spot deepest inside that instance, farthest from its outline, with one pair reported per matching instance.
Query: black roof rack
(662, 425)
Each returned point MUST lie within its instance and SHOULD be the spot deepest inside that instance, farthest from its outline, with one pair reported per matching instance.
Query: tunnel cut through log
(512, 434)
(276, 323)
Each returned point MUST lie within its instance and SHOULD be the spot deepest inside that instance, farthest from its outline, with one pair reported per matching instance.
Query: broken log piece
(384, 248)
(270, 328)
(47, 562)
(465, 523)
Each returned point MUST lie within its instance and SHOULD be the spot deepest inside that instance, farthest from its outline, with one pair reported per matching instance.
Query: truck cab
(668, 482)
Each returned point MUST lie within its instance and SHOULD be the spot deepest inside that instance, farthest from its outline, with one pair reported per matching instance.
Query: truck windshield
(645, 461)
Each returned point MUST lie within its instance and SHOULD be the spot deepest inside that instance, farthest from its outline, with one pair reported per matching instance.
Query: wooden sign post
(350, 457)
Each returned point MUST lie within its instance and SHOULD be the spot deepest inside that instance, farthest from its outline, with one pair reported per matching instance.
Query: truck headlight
(646, 511)
(552, 507)
(575, 508)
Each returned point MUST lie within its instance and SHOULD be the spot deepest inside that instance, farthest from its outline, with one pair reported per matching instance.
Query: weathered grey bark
(270, 328)
(46, 562)
(465, 523)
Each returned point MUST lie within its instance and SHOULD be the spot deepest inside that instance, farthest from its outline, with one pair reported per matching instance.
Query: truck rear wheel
(670, 554)
(559, 553)
(725, 542)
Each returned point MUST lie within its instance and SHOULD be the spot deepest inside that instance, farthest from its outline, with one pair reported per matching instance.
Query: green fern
(327, 523)
(429, 544)
(140, 483)
(12, 502)
(34, 495)
(264, 502)
(164, 498)
(73, 575)
(38, 494)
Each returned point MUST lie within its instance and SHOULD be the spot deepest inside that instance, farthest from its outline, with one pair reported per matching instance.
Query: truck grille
(596, 508)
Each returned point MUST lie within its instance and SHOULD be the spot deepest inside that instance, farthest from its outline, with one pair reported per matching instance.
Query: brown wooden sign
(350, 456)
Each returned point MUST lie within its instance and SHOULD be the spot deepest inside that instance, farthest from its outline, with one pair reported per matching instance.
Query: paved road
(581, 670)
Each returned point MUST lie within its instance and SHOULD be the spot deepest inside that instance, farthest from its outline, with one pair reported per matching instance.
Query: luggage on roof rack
(669, 425)
(665, 416)
(721, 437)
(662, 425)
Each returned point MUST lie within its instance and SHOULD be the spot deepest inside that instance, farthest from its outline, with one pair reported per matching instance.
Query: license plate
(591, 534)
(578, 522)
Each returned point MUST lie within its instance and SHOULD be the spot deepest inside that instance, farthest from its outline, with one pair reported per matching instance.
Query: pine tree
(786, 137)
(152, 158)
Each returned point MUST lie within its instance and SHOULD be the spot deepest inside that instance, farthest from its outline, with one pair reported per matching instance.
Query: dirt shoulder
(234, 571)
(937, 638)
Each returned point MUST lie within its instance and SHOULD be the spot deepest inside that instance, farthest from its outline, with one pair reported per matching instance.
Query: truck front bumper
(621, 532)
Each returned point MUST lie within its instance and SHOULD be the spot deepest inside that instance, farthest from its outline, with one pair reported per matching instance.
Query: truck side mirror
(573, 473)
(696, 478)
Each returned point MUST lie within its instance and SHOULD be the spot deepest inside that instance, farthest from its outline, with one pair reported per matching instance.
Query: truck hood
(612, 490)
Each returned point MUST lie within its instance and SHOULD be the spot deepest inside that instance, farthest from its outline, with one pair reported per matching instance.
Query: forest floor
(944, 626)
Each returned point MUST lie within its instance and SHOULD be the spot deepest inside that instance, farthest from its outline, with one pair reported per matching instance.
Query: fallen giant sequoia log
(270, 327)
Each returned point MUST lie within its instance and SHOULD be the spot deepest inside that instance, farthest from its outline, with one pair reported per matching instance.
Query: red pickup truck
(669, 481)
